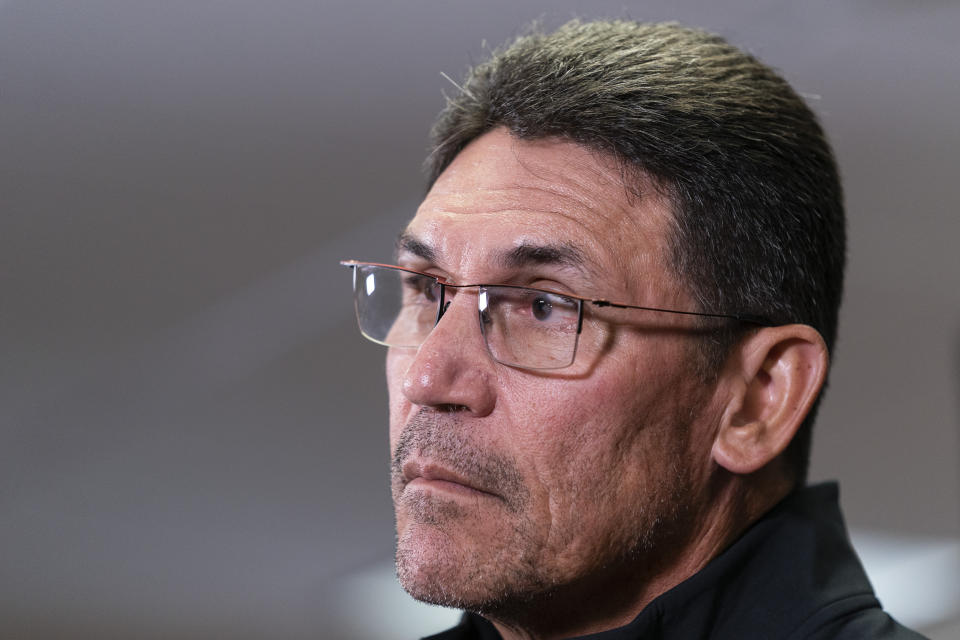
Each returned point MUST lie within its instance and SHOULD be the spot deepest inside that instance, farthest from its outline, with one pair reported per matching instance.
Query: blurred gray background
(193, 434)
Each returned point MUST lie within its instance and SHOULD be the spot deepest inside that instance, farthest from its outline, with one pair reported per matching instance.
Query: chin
(434, 567)
(464, 566)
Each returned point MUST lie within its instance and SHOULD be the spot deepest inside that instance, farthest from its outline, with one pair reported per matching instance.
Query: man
(609, 324)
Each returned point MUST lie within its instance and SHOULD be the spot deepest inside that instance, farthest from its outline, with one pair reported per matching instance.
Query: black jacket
(791, 576)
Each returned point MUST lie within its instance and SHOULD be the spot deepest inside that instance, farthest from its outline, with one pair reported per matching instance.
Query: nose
(452, 368)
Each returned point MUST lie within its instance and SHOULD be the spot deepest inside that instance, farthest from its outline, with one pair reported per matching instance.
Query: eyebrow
(529, 254)
(408, 242)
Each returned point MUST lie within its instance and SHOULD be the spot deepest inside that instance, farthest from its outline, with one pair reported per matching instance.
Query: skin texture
(560, 503)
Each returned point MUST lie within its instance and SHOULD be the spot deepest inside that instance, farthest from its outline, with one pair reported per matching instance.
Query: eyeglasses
(522, 327)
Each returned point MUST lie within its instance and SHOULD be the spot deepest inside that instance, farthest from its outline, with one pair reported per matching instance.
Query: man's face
(510, 483)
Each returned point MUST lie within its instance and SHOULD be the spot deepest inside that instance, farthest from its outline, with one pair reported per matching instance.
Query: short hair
(758, 213)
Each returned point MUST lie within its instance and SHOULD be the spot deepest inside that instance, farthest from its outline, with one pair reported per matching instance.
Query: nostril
(451, 408)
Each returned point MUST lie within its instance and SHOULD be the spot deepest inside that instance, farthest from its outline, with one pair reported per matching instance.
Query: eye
(426, 287)
(430, 288)
(541, 307)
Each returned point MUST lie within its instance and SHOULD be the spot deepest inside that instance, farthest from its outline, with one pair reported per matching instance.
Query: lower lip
(445, 486)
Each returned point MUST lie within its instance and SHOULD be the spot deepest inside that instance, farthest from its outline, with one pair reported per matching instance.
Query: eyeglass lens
(521, 327)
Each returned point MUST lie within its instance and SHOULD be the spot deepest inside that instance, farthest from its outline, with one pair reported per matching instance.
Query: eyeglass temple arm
(752, 319)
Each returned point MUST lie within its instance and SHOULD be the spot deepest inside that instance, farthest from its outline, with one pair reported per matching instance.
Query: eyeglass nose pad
(442, 309)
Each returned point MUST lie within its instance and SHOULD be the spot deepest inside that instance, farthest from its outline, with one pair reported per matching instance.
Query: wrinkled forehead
(504, 197)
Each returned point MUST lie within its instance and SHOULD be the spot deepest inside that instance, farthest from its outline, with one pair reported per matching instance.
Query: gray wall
(193, 435)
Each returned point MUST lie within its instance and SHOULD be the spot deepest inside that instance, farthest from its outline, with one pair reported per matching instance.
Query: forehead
(501, 193)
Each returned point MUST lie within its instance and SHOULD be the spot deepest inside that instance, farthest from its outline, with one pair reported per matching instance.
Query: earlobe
(773, 379)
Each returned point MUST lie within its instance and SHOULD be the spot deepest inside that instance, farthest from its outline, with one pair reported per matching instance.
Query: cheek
(573, 445)
(571, 429)
(399, 407)
(592, 436)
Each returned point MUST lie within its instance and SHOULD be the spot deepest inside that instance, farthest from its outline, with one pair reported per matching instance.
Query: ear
(773, 378)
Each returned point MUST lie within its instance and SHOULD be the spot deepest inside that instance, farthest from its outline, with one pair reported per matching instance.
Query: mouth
(429, 476)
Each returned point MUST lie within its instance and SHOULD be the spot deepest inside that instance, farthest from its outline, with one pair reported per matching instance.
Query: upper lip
(428, 470)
